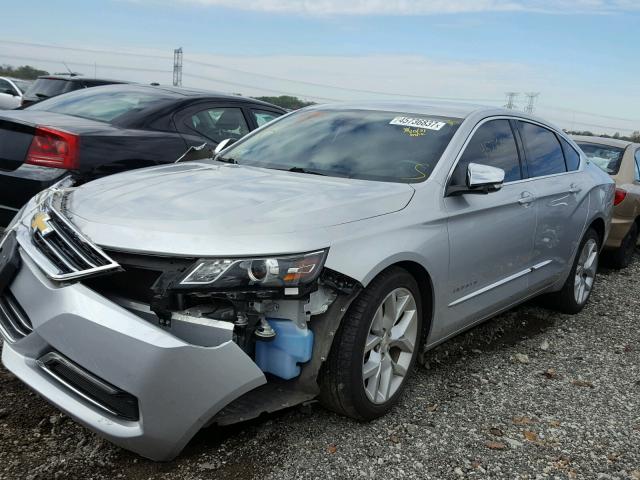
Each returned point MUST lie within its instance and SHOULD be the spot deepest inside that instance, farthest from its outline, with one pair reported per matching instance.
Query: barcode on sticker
(418, 123)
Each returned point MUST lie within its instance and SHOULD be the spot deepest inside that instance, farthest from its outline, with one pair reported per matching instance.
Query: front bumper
(179, 386)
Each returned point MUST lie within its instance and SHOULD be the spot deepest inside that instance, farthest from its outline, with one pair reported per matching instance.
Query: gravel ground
(530, 394)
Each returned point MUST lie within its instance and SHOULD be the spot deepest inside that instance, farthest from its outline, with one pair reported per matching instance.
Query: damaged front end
(146, 349)
(283, 312)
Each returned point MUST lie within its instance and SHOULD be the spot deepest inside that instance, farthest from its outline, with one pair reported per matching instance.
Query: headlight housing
(274, 271)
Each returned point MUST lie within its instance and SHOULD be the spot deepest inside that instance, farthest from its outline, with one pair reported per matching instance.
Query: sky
(581, 56)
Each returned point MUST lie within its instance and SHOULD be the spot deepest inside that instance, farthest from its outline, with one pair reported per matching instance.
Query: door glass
(638, 165)
(571, 157)
(219, 123)
(493, 144)
(263, 116)
(544, 154)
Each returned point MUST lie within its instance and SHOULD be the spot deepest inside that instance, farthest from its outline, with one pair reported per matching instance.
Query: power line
(590, 114)
(256, 74)
(92, 65)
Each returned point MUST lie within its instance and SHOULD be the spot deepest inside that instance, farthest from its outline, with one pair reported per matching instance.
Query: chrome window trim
(509, 117)
(500, 282)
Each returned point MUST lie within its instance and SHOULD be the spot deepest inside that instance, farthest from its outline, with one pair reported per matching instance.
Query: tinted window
(572, 158)
(638, 165)
(98, 104)
(604, 156)
(544, 154)
(47, 87)
(364, 144)
(219, 123)
(492, 144)
(263, 116)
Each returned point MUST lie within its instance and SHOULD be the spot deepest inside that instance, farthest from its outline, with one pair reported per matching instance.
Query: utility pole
(531, 96)
(177, 67)
(511, 100)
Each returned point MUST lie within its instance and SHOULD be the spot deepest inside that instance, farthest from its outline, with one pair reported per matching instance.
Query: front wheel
(579, 285)
(375, 349)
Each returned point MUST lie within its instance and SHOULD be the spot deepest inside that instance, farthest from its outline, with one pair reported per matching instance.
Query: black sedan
(103, 130)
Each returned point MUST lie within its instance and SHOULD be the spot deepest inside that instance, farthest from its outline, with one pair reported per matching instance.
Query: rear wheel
(375, 349)
(622, 257)
(579, 285)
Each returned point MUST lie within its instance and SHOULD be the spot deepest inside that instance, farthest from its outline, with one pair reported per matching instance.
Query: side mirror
(227, 142)
(481, 179)
(9, 91)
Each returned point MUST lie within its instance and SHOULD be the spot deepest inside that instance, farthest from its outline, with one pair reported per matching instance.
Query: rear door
(561, 190)
(490, 236)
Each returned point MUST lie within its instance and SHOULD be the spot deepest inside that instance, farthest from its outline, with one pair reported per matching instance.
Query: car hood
(209, 208)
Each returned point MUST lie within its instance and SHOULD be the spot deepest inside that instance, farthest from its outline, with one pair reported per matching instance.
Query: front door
(490, 235)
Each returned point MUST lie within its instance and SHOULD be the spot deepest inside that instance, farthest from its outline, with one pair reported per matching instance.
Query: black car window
(544, 153)
(363, 144)
(264, 116)
(606, 157)
(47, 87)
(101, 105)
(571, 157)
(492, 144)
(219, 123)
(638, 165)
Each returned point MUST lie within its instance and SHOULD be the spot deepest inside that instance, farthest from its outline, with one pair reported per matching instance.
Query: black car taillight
(53, 148)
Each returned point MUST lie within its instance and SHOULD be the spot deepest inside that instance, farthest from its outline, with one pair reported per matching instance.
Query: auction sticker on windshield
(417, 123)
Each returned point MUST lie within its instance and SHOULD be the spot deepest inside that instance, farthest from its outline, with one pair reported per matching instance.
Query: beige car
(621, 160)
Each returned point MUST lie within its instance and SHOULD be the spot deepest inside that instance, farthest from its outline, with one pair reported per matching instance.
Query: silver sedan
(314, 258)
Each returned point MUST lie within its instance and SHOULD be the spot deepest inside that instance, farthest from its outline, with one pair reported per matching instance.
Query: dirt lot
(531, 394)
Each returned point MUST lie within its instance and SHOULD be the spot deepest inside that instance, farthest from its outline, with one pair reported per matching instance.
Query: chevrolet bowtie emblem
(40, 222)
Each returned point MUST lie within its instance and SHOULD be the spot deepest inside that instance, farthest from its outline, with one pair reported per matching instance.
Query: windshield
(100, 103)
(363, 144)
(22, 85)
(604, 156)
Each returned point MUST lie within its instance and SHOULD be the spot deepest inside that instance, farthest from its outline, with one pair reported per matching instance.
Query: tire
(622, 257)
(343, 387)
(570, 299)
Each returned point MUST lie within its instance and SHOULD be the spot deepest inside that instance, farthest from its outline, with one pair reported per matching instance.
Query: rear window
(47, 87)
(99, 104)
(604, 156)
(364, 144)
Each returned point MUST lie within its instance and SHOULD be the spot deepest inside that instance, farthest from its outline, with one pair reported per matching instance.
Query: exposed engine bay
(287, 332)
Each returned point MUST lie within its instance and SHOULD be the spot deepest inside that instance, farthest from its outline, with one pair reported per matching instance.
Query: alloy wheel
(390, 344)
(586, 271)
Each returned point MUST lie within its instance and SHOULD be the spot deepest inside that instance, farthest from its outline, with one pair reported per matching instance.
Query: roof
(178, 92)
(611, 142)
(78, 78)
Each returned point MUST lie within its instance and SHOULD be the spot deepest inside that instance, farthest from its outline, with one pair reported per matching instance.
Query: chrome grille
(70, 253)
(14, 323)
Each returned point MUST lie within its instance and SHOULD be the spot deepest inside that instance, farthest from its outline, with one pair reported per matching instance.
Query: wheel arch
(599, 226)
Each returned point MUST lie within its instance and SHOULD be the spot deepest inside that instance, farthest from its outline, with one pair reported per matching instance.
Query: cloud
(418, 7)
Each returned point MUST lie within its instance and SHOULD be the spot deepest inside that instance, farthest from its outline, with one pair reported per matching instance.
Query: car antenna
(71, 73)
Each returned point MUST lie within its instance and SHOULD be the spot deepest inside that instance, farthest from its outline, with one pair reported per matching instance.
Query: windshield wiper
(227, 160)
(42, 95)
(303, 170)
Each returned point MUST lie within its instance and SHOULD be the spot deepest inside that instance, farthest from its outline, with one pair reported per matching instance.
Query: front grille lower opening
(98, 392)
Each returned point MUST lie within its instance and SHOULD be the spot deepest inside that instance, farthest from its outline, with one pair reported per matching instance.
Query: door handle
(573, 188)
(526, 199)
